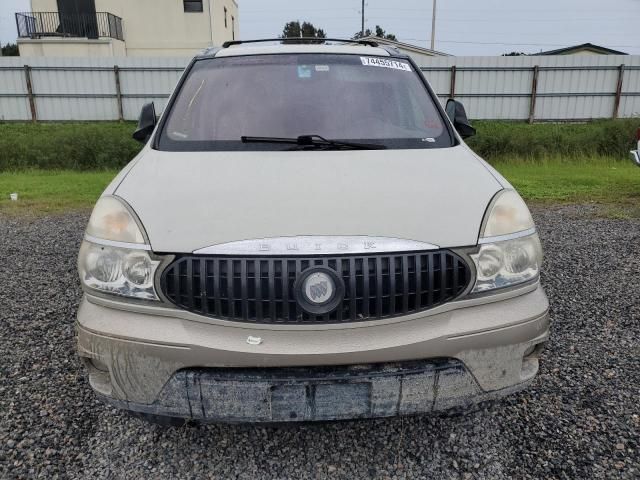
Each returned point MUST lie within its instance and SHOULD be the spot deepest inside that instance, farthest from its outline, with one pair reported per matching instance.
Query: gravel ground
(579, 420)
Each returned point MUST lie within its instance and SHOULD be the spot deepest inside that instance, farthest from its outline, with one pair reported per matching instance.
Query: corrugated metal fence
(511, 88)
(546, 88)
(84, 88)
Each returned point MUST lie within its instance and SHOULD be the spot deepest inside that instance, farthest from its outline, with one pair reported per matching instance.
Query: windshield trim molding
(155, 143)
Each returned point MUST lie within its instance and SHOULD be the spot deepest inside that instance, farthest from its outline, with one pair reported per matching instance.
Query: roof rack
(370, 43)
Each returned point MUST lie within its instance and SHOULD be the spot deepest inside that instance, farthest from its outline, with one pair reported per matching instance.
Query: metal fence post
(32, 101)
(452, 90)
(116, 72)
(616, 102)
(534, 91)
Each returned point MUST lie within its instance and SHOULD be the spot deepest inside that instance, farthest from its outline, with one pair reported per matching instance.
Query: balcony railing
(56, 24)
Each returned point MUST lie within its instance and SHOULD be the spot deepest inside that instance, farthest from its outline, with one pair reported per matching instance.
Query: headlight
(116, 270)
(510, 252)
(114, 258)
(507, 214)
(112, 220)
(506, 263)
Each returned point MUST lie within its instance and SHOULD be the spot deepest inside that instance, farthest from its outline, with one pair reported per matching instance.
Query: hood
(191, 200)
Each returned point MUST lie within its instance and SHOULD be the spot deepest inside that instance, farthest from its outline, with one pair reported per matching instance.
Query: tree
(10, 50)
(513, 54)
(296, 30)
(380, 33)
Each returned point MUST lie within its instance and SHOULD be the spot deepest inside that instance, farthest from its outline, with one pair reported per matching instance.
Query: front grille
(261, 289)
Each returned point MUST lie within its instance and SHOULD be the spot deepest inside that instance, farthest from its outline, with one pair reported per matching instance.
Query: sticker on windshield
(304, 71)
(385, 63)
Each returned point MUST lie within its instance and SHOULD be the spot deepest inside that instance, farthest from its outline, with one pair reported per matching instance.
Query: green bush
(108, 145)
(71, 146)
(514, 141)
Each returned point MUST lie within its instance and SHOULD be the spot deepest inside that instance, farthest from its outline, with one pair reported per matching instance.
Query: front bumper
(311, 394)
(207, 371)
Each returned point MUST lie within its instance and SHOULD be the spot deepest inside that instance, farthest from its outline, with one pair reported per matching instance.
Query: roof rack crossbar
(369, 43)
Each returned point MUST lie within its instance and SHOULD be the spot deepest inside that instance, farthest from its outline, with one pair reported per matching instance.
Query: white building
(99, 28)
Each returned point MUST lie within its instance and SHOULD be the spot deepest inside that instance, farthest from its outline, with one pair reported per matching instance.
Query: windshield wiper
(315, 141)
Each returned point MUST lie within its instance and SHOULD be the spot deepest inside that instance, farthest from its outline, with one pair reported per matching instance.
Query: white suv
(305, 236)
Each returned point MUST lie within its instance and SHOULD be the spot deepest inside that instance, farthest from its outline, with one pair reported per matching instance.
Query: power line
(511, 20)
(461, 20)
(513, 11)
(514, 44)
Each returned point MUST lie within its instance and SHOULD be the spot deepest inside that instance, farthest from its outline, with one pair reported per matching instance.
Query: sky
(464, 27)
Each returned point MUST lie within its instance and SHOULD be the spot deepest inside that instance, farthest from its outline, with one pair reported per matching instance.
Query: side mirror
(146, 123)
(457, 115)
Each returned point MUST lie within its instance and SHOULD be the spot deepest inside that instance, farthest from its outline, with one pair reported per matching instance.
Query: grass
(612, 183)
(591, 180)
(66, 146)
(56, 167)
(522, 142)
(46, 192)
(108, 145)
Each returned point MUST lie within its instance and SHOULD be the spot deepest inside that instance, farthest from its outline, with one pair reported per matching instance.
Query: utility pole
(362, 30)
(433, 27)
(210, 24)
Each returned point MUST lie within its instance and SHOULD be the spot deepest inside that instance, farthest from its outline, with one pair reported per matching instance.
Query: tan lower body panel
(142, 358)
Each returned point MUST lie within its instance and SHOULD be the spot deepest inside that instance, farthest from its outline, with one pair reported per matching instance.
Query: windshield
(375, 100)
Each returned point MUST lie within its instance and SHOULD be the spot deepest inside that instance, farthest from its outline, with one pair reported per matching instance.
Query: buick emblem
(319, 290)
